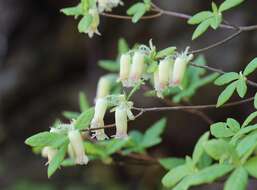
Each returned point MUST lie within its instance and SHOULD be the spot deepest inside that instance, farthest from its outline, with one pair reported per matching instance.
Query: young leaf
(226, 78)
(199, 150)
(201, 28)
(57, 160)
(70, 115)
(220, 130)
(243, 132)
(46, 139)
(72, 11)
(109, 65)
(246, 144)
(237, 180)
(255, 100)
(233, 125)
(175, 175)
(251, 166)
(209, 174)
(249, 119)
(228, 4)
(220, 149)
(85, 23)
(123, 46)
(84, 119)
(251, 67)
(170, 163)
(165, 52)
(241, 87)
(137, 10)
(152, 135)
(83, 102)
(226, 94)
(216, 21)
(200, 17)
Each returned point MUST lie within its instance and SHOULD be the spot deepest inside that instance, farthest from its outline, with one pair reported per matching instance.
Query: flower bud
(137, 67)
(103, 87)
(77, 147)
(164, 73)
(49, 153)
(179, 69)
(121, 122)
(125, 63)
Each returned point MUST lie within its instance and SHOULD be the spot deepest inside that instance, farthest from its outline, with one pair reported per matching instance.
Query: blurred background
(45, 62)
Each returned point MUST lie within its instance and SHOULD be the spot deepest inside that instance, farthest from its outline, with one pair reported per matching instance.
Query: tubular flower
(137, 68)
(77, 147)
(92, 29)
(125, 64)
(98, 119)
(49, 153)
(179, 69)
(156, 82)
(164, 72)
(108, 5)
(121, 122)
(103, 87)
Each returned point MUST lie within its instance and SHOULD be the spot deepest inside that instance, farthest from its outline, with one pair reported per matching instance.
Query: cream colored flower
(121, 122)
(125, 64)
(93, 28)
(103, 87)
(108, 5)
(49, 153)
(137, 68)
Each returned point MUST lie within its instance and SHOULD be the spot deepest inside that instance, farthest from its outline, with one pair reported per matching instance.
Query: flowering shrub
(228, 149)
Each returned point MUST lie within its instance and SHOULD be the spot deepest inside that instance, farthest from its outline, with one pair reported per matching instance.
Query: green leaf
(199, 149)
(165, 52)
(228, 4)
(209, 174)
(83, 102)
(85, 23)
(175, 175)
(226, 94)
(84, 119)
(137, 10)
(233, 125)
(238, 180)
(220, 130)
(200, 17)
(115, 145)
(226, 78)
(246, 144)
(72, 11)
(70, 115)
(170, 163)
(123, 46)
(241, 87)
(243, 132)
(251, 166)
(109, 65)
(255, 101)
(201, 28)
(46, 139)
(152, 135)
(221, 150)
(57, 160)
(249, 119)
(96, 150)
(216, 21)
(251, 67)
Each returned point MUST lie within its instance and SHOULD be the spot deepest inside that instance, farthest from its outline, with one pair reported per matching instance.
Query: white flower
(77, 147)
(92, 29)
(121, 122)
(164, 72)
(98, 119)
(108, 5)
(137, 68)
(179, 69)
(157, 83)
(49, 153)
(103, 87)
(125, 64)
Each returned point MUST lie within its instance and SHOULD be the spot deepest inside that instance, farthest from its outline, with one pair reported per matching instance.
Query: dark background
(45, 62)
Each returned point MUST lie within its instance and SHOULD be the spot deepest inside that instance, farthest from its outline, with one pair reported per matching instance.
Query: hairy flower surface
(179, 69)
(137, 68)
(49, 153)
(77, 147)
(108, 5)
(125, 64)
(103, 87)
